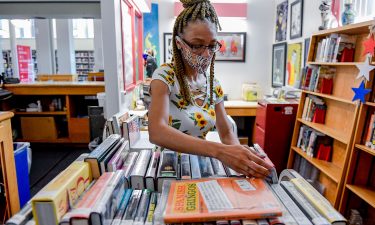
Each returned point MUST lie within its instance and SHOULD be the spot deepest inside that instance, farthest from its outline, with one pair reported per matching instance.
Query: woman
(186, 102)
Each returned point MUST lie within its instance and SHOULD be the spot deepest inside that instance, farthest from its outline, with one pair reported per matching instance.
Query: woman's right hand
(244, 161)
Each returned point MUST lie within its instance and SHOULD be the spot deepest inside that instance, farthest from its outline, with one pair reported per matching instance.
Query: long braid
(193, 10)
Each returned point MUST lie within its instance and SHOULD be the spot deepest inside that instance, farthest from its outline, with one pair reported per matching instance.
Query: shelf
(331, 97)
(334, 64)
(335, 134)
(328, 168)
(365, 193)
(41, 113)
(366, 149)
(354, 29)
(370, 104)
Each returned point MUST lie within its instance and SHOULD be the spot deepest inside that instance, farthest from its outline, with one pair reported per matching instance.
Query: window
(24, 28)
(83, 28)
(365, 9)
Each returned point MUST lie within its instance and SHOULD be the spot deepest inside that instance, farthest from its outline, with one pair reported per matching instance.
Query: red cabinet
(274, 125)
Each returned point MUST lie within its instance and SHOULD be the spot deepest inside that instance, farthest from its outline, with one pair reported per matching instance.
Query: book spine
(112, 151)
(138, 173)
(124, 203)
(151, 172)
(131, 210)
(168, 164)
(318, 201)
(24, 215)
(218, 168)
(249, 222)
(151, 209)
(128, 166)
(185, 167)
(205, 166)
(309, 210)
(142, 210)
(195, 169)
(262, 222)
(118, 159)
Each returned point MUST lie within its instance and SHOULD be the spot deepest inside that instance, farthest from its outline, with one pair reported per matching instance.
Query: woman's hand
(244, 160)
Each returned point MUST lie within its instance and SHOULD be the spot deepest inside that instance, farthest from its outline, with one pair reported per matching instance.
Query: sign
(25, 64)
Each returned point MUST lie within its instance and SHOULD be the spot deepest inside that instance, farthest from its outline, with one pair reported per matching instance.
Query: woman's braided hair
(193, 10)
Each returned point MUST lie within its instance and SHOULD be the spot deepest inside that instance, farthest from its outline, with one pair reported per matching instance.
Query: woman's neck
(191, 74)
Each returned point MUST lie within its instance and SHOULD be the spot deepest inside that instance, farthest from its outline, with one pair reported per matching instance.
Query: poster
(151, 31)
(281, 21)
(294, 65)
(25, 63)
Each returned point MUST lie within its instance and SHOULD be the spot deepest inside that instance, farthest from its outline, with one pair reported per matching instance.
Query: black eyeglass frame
(201, 48)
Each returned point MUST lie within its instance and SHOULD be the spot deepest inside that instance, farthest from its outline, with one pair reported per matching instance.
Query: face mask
(197, 62)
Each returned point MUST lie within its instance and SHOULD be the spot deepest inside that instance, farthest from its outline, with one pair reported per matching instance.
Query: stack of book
(314, 143)
(336, 48)
(369, 136)
(314, 109)
(318, 79)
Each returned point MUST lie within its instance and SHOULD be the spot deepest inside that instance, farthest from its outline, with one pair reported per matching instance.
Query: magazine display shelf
(341, 115)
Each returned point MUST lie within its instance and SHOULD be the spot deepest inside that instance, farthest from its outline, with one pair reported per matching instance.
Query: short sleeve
(218, 92)
(165, 73)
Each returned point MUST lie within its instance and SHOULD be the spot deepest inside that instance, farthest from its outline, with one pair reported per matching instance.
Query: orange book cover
(215, 199)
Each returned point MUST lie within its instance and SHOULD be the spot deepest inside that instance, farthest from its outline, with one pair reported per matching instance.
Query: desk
(240, 108)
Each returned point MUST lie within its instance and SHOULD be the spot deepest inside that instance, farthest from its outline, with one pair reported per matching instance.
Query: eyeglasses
(199, 49)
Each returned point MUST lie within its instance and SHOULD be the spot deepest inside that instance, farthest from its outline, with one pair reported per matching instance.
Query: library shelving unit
(84, 62)
(359, 186)
(341, 114)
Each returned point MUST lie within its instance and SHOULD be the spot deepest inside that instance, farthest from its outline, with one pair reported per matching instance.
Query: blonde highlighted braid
(193, 10)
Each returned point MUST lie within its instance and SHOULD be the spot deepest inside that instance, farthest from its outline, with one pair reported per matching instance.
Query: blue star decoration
(360, 92)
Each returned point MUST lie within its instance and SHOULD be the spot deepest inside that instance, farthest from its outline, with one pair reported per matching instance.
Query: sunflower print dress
(189, 118)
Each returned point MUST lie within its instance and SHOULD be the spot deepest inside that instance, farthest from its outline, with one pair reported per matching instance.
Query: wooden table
(8, 164)
(240, 108)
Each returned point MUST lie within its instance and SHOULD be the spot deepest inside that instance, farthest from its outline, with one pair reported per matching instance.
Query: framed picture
(294, 65)
(278, 64)
(233, 47)
(281, 21)
(168, 48)
(306, 51)
(296, 15)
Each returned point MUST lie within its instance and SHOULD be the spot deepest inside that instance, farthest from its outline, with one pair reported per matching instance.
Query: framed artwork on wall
(278, 64)
(233, 47)
(296, 19)
(281, 21)
(151, 31)
(294, 65)
(128, 45)
(306, 51)
(168, 48)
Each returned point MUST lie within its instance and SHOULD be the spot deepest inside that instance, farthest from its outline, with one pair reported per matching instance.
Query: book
(205, 166)
(21, 217)
(289, 205)
(346, 48)
(131, 131)
(304, 205)
(194, 166)
(151, 171)
(272, 178)
(218, 168)
(167, 167)
(185, 173)
(54, 200)
(137, 176)
(128, 166)
(249, 222)
(319, 202)
(103, 163)
(143, 142)
(104, 210)
(262, 222)
(151, 208)
(124, 203)
(99, 153)
(118, 158)
(213, 199)
(131, 210)
(142, 210)
(233, 173)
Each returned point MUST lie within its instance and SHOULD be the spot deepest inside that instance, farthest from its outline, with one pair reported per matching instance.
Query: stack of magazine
(113, 185)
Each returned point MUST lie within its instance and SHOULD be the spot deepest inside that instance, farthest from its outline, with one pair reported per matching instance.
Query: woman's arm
(224, 127)
(237, 157)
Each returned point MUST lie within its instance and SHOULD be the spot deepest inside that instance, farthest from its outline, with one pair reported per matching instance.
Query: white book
(195, 169)
(151, 171)
(137, 176)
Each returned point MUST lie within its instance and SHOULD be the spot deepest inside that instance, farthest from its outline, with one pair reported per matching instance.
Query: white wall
(259, 29)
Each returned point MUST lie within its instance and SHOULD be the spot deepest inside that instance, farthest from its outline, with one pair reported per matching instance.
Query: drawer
(260, 119)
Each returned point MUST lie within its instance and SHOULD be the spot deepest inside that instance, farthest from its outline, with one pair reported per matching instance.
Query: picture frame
(279, 54)
(296, 19)
(306, 51)
(281, 23)
(233, 47)
(294, 61)
(168, 47)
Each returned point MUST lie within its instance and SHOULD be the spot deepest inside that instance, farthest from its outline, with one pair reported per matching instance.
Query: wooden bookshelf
(366, 149)
(365, 193)
(341, 117)
(41, 113)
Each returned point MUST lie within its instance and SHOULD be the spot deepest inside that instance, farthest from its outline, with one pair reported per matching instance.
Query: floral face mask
(197, 62)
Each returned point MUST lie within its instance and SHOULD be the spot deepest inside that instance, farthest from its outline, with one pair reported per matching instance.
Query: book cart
(341, 114)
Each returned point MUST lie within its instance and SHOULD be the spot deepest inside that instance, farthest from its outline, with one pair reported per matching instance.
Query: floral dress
(189, 118)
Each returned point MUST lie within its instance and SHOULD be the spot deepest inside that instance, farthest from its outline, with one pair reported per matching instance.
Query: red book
(326, 86)
(319, 115)
(324, 152)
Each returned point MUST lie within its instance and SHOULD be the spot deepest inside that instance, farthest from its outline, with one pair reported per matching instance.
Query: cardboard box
(38, 128)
